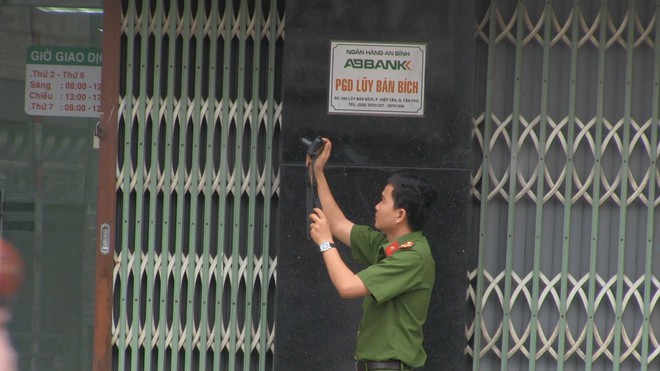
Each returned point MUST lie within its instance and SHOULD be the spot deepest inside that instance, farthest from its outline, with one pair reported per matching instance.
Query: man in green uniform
(397, 283)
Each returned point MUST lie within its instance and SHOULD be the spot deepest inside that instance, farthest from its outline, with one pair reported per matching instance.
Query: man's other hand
(319, 228)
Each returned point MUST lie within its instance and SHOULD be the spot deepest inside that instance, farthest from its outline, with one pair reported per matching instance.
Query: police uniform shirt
(400, 278)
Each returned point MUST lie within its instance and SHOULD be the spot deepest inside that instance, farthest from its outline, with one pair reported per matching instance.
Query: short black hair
(415, 195)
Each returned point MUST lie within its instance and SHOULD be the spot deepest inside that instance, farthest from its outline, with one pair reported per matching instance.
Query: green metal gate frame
(197, 182)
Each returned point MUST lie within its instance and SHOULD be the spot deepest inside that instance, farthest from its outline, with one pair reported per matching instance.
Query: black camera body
(314, 147)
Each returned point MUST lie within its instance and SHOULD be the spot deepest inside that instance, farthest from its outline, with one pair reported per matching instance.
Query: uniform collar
(412, 236)
(396, 243)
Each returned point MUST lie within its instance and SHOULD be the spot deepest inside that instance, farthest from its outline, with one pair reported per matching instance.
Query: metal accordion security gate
(565, 188)
(197, 185)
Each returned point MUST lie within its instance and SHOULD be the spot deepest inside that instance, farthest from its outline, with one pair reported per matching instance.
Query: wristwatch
(325, 246)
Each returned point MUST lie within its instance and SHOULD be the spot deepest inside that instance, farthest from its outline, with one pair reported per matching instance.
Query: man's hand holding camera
(318, 152)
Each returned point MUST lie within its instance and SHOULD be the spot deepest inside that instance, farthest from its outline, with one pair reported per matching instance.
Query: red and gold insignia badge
(394, 247)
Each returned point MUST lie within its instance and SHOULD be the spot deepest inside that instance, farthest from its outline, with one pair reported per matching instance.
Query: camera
(314, 147)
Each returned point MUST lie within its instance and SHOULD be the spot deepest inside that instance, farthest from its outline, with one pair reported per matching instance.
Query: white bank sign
(377, 79)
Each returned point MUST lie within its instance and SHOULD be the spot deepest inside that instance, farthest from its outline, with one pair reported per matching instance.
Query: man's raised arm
(339, 225)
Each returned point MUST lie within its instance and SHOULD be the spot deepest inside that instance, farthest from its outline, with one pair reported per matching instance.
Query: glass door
(49, 108)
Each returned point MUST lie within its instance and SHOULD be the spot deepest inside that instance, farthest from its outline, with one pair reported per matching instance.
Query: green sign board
(63, 81)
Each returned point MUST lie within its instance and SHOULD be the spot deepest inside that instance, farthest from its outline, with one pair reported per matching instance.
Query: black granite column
(315, 328)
